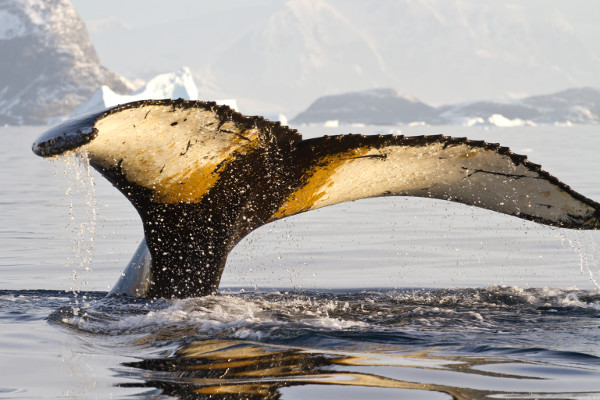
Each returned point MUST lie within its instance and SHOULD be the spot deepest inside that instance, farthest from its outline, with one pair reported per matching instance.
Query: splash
(82, 215)
(398, 316)
(583, 244)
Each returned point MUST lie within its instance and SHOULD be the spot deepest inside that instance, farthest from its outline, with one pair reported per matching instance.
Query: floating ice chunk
(501, 121)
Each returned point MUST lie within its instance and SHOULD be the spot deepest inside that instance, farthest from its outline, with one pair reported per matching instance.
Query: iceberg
(174, 85)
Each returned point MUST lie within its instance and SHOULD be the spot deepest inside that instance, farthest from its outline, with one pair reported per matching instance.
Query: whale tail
(202, 176)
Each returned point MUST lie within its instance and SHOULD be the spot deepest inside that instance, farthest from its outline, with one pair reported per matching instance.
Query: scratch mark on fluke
(189, 143)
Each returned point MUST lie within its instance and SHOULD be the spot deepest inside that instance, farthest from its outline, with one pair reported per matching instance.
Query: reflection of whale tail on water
(202, 177)
(227, 369)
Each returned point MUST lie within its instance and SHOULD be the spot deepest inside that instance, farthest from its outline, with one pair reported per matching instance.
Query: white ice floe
(493, 120)
(501, 121)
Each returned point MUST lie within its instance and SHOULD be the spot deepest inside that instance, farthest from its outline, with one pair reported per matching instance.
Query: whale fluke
(203, 176)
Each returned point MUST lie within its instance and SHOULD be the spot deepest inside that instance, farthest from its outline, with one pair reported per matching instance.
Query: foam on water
(301, 315)
(470, 343)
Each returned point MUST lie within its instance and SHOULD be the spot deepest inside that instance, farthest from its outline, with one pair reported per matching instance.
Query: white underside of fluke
(175, 152)
(461, 172)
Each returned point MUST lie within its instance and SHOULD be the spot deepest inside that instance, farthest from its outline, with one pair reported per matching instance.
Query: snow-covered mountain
(283, 55)
(450, 51)
(385, 107)
(305, 48)
(572, 106)
(578, 106)
(278, 56)
(48, 66)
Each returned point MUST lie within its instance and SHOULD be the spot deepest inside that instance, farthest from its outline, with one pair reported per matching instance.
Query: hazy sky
(141, 38)
(583, 15)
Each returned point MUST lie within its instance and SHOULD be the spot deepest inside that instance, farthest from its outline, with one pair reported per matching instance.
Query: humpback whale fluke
(202, 177)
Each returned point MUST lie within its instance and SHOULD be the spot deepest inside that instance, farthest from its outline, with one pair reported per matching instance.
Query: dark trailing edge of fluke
(203, 176)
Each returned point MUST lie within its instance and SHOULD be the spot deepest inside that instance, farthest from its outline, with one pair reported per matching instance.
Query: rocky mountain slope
(48, 66)
(370, 107)
(386, 107)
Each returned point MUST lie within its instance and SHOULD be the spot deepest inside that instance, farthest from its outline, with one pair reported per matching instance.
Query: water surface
(382, 298)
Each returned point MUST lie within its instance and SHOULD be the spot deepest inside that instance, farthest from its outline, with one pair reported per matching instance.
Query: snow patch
(35, 11)
(11, 26)
(582, 113)
(47, 17)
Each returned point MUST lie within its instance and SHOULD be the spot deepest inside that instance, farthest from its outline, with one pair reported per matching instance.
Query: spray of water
(584, 246)
(81, 221)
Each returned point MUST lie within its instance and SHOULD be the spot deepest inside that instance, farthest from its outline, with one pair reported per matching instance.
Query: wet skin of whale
(203, 176)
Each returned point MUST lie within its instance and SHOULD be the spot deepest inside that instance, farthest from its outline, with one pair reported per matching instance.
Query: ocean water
(382, 298)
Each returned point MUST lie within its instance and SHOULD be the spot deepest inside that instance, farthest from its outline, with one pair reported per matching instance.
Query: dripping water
(82, 215)
(582, 243)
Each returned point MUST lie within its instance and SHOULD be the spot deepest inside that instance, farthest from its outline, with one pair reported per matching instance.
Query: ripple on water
(461, 343)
